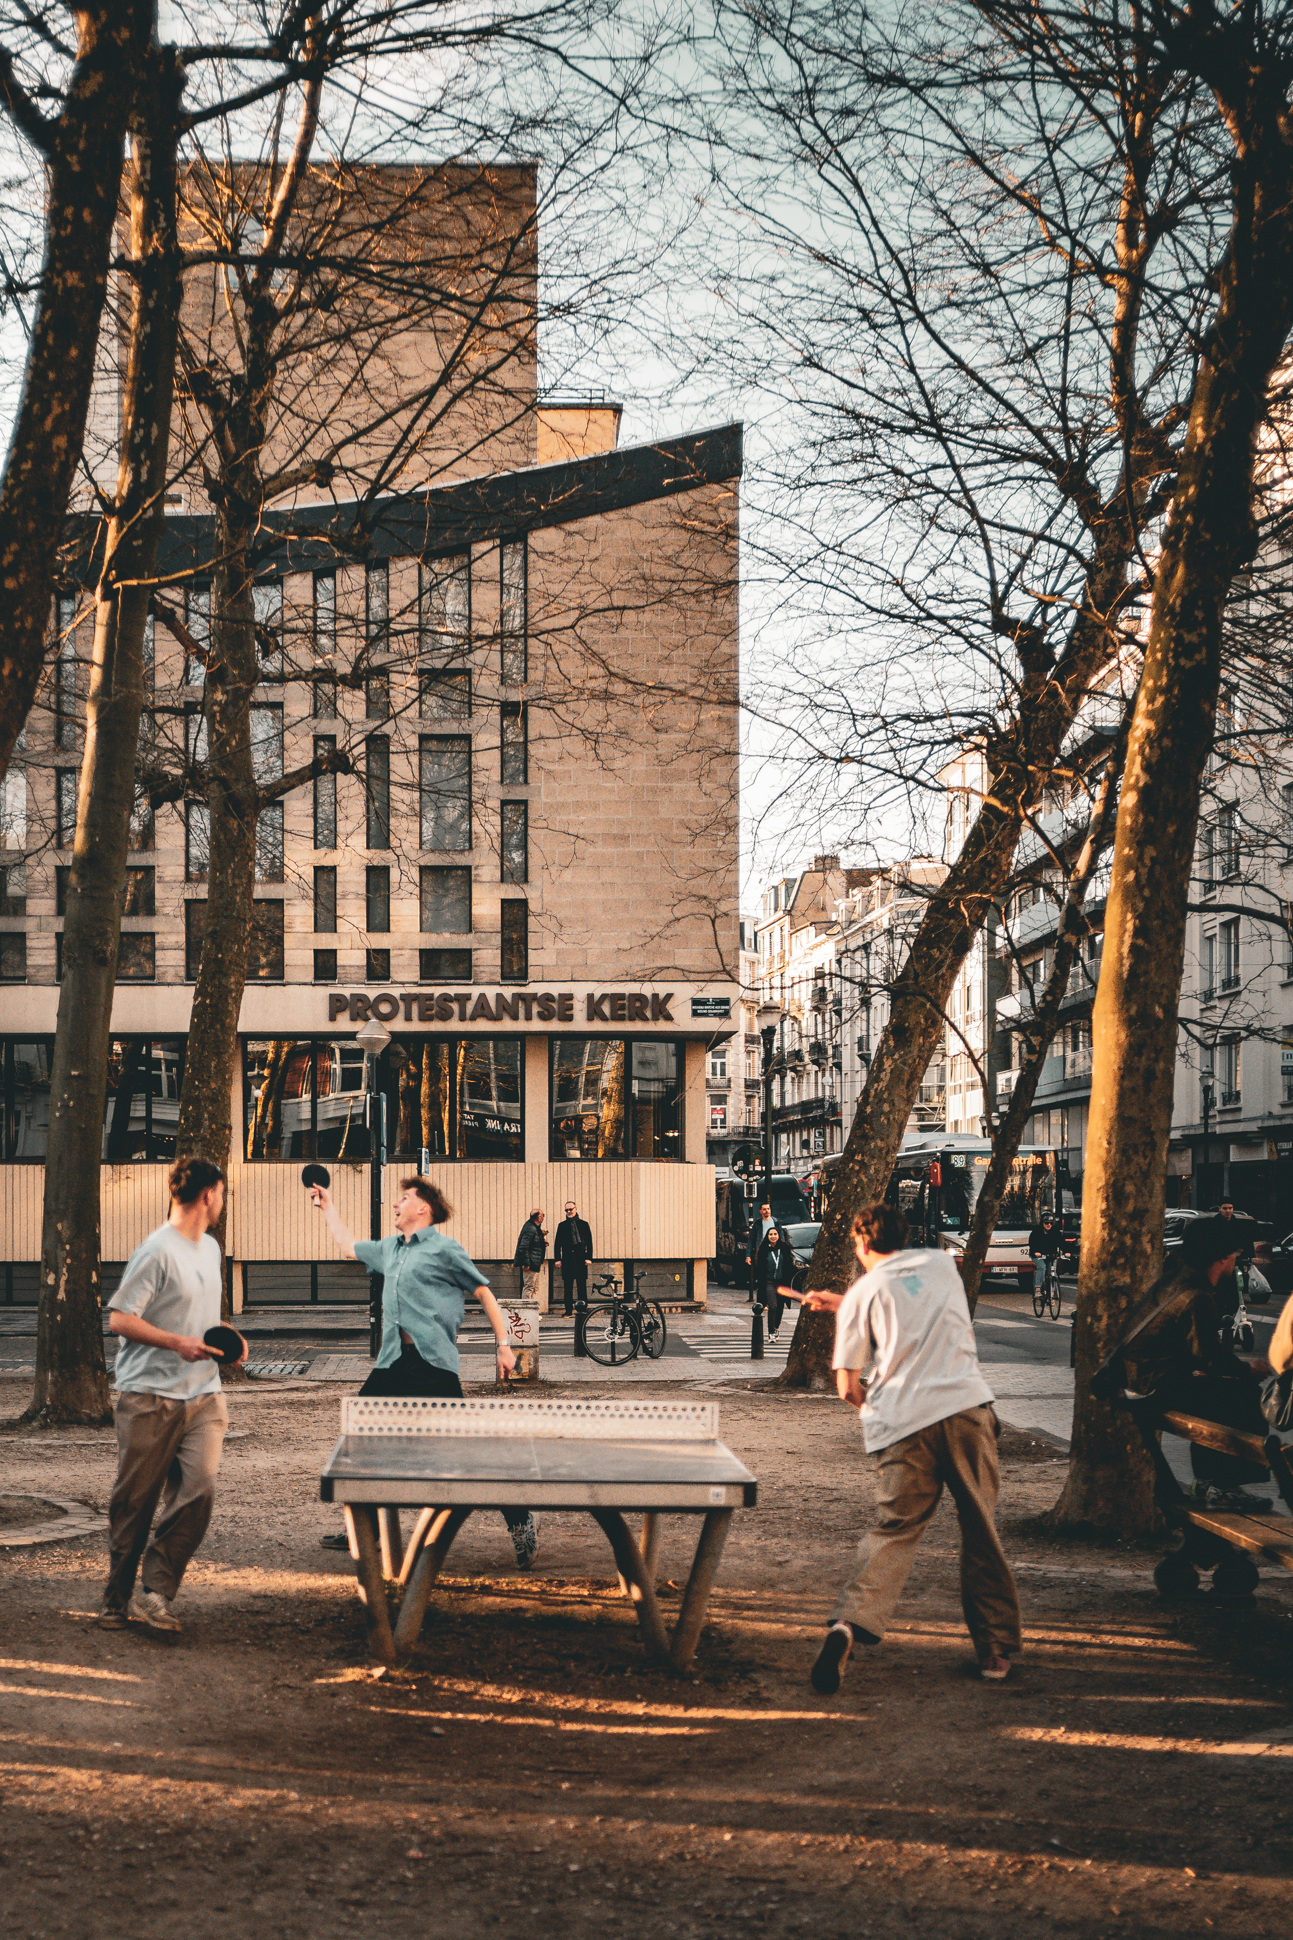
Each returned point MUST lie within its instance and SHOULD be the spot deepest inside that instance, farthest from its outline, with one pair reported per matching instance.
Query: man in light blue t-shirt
(170, 1411)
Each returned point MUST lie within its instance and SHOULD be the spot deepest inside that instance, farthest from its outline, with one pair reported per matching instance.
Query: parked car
(1175, 1224)
(802, 1235)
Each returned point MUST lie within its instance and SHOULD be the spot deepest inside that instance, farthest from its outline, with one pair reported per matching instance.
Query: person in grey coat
(531, 1251)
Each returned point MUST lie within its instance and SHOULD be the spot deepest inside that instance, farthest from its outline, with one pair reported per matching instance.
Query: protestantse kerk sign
(474, 1007)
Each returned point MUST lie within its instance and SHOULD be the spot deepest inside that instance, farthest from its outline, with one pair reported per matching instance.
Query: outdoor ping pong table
(607, 1458)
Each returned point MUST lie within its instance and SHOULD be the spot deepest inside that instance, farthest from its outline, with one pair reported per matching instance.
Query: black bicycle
(620, 1325)
(612, 1331)
(650, 1319)
(1048, 1293)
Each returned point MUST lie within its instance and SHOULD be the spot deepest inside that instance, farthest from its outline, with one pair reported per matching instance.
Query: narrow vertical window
(196, 737)
(515, 753)
(267, 743)
(515, 832)
(197, 648)
(377, 791)
(514, 624)
(13, 810)
(265, 956)
(446, 902)
(325, 901)
(267, 602)
(444, 608)
(377, 684)
(195, 922)
(269, 843)
(325, 798)
(65, 780)
(65, 675)
(197, 841)
(515, 918)
(325, 646)
(377, 887)
(445, 788)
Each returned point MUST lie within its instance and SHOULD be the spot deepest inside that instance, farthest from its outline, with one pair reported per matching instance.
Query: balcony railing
(1077, 1064)
(1231, 982)
(1230, 1099)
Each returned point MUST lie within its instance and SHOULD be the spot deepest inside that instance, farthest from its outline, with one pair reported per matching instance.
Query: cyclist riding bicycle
(1044, 1245)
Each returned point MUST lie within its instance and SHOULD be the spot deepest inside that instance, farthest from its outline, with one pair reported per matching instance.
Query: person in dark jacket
(572, 1248)
(774, 1266)
(1043, 1245)
(1174, 1350)
(531, 1251)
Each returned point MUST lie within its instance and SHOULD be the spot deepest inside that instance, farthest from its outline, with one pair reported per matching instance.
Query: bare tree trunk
(84, 150)
(205, 1124)
(1026, 756)
(1022, 753)
(1209, 536)
(1007, 1137)
(71, 1380)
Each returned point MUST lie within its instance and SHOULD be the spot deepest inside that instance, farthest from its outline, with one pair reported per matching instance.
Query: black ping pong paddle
(315, 1175)
(227, 1342)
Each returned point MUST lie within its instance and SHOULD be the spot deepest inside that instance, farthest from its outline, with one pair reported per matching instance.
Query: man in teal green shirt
(426, 1279)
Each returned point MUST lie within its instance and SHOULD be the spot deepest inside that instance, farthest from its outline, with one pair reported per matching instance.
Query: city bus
(936, 1183)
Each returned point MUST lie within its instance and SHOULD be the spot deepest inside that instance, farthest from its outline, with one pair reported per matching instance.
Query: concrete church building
(530, 654)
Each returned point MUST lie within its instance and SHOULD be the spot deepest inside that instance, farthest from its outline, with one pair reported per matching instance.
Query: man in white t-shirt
(170, 1412)
(905, 1358)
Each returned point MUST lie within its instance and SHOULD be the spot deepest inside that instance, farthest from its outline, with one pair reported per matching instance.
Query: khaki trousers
(168, 1451)
(960, 1454)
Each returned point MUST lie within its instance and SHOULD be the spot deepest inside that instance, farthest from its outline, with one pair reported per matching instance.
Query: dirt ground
(530, 1771)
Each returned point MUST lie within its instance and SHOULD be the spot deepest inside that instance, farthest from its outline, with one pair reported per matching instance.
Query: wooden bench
(606, 1458)
(1228, 1542)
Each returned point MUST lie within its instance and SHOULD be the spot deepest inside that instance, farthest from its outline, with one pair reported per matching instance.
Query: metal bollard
(756, 1332)
(1073, 1339)
(581, 1321)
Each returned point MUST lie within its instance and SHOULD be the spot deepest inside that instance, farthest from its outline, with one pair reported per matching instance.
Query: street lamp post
(374, 1037)
(1209, 1097)
(769, 1022)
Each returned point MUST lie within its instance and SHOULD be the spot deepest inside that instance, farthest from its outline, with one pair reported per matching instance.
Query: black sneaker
(338, 1541)
(831, 1660)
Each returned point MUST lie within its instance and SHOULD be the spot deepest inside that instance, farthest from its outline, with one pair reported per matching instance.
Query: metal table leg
(651, 1543)
(408, 1625)
(635, 1580)
(372, 1590)
(695, 1602)
(392, 1542)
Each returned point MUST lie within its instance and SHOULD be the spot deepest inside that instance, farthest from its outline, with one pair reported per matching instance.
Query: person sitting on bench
(1174, 1351)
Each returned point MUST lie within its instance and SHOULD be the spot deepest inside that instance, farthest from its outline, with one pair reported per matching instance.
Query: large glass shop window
(456, 1098)
(142, 1110)
(614, 1098)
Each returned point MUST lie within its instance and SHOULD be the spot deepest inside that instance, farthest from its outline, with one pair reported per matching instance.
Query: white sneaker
(154, 1609)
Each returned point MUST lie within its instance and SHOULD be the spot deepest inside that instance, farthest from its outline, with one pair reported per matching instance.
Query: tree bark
(1209, 535)
(233, 798)
(71, 1380)
(1008, 1135)
(84, 150)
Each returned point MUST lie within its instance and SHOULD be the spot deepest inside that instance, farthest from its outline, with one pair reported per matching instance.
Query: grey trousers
(960, 1454)
(168, 1451)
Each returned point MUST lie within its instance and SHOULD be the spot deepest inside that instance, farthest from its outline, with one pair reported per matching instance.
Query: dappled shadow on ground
(529, 1769)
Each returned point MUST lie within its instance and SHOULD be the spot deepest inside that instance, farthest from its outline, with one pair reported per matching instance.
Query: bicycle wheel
(612, 1335)
(1039, 1299)
(654, 1330)
(1056, 1296)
